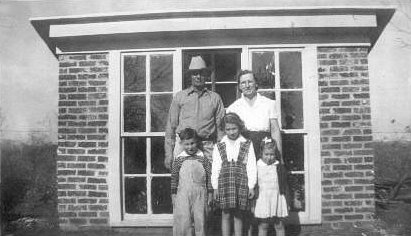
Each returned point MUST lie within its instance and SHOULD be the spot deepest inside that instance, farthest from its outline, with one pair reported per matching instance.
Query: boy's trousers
(191, 201)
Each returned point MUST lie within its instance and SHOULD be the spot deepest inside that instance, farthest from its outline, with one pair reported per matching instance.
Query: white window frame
(312, 153)
(311, 129)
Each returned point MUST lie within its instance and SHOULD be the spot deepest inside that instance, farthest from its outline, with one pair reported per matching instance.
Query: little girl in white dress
(271, 204)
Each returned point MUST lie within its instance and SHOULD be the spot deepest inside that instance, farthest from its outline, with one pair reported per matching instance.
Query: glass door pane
(263, 66)
(161, 73)
(290, 70)
(134, 113)
(134, 73)
(135, 155)
(135, 195)
(160, 193)
(292, 110)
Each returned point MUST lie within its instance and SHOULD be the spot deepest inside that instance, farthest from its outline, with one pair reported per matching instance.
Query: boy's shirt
(178, 162)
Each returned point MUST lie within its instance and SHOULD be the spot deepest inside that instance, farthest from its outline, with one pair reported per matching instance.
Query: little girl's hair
(232, 118)
(268, 142)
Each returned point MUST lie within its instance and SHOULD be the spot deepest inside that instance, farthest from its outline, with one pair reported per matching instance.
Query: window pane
(134, 74)
(268, 94)
(161, 195)
(297, 192)
(290, 70)
(161, 69)
(159, 110)
(263, 67)
(135, 155)
(135, 113)
(227, 92)
(135, 195)
(226, 66)
(157, 156)
(292, 110)
(293, 151)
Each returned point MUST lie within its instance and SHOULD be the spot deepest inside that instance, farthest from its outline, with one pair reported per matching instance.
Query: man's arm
(220, 112)
(170, 132)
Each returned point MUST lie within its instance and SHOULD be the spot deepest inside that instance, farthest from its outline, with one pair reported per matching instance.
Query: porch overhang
(213, 27)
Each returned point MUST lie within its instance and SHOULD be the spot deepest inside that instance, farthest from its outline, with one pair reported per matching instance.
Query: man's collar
(191, 90)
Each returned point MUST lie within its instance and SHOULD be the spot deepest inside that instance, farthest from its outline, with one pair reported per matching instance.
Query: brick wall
(82, 140)
(347, 155)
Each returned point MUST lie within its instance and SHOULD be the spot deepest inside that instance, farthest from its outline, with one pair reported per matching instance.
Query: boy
(190, 183)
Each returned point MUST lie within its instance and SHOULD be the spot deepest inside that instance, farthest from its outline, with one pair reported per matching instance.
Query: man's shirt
(200, 111)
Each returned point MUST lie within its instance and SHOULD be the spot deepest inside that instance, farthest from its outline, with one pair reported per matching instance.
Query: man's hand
(215, 194)
(168, 162)
(251, 193)
(209, 202)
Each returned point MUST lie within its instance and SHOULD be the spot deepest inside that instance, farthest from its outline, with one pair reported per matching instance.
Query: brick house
(118, 74)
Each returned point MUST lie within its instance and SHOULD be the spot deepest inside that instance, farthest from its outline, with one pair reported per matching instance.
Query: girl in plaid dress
(271, 204)
(233, 174)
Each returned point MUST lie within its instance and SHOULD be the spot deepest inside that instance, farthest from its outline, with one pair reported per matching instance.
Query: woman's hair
(232, 118)
(188, 133)
(245, 72)
(270, 143)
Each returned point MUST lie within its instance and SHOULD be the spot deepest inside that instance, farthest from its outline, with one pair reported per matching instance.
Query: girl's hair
(246, 72)
(232, 118)
(268, 142)
(188, 133)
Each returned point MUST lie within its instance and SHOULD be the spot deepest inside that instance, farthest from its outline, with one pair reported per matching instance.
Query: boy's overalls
(190, 202)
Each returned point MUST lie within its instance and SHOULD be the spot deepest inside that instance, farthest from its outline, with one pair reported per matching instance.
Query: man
(257, 112)
(197, 108)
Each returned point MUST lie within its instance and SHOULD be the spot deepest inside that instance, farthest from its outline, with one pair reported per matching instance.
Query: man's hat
(197, 63)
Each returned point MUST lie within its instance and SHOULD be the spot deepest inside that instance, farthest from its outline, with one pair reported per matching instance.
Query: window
(140, 185)
(281, 77)
(146, 95)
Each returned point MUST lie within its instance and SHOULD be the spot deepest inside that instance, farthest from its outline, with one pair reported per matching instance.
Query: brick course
(82, 145)
(347, 156)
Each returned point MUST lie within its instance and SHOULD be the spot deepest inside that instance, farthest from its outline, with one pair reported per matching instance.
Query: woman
(260, 119)
(258, 112)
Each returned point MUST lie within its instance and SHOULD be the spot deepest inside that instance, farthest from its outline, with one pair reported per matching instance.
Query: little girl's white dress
(270, 202)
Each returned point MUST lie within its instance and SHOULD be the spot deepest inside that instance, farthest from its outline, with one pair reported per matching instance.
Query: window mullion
(148, 129)
(277, 87)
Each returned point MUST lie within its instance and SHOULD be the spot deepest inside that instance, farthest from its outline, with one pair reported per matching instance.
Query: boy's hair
(232, 118)
(188, 133)
(268, 142)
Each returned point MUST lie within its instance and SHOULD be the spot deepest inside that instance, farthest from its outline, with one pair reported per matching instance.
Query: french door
(150, 79)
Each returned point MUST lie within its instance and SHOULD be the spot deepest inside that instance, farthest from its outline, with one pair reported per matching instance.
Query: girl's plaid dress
(233, 180)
